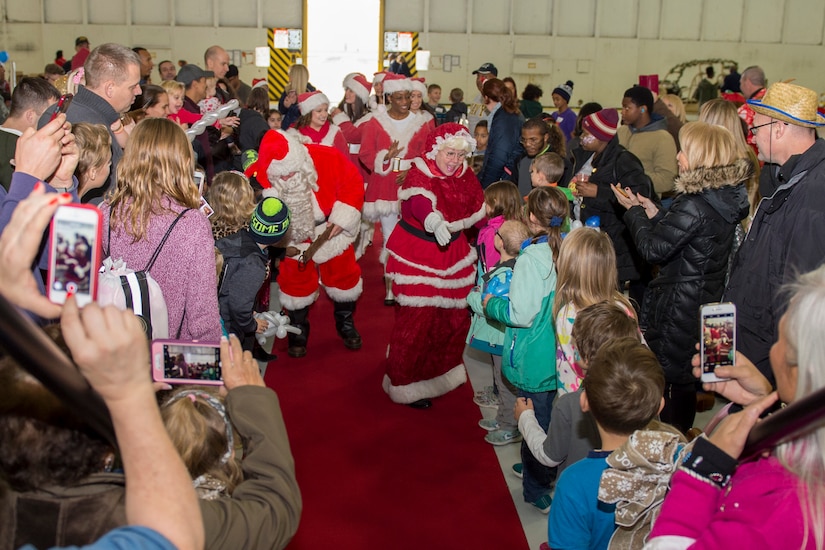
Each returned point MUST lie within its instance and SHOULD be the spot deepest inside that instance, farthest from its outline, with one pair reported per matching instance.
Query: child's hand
(263, 324)
(522, 404)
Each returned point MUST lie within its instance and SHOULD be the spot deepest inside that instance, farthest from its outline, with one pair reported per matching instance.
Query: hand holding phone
(179, 362)
(717, 339)
(74, 253)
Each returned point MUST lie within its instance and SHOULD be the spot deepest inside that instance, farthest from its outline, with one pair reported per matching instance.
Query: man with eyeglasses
(535, 140)
(787, 234)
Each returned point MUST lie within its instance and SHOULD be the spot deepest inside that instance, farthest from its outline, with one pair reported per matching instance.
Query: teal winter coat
(529, 358)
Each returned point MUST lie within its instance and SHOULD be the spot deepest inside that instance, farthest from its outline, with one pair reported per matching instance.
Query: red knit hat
(603, 124)
(309, 101)
(359, 85)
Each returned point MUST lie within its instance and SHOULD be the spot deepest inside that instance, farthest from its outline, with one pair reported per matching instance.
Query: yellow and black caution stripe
(411, 55)
(280, 59)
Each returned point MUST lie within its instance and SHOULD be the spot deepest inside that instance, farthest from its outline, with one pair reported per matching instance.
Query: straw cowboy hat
(790, 103)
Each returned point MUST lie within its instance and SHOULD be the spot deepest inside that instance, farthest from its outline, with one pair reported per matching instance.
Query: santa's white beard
(297, 194)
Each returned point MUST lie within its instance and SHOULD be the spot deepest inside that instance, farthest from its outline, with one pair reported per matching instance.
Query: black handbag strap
(160, 246)
(163, 240)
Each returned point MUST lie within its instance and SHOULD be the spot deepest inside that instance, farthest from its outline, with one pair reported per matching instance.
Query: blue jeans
(538, 478)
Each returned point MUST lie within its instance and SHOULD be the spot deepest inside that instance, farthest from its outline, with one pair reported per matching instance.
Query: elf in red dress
(432, 268)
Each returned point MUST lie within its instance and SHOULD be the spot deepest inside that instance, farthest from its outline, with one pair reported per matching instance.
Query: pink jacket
(488, 256)
(759, 508)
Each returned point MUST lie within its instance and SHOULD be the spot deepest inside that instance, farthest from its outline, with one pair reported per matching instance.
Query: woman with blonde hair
(94, 143)
(723, 113)
(233, 201)
(152, 219)
(288, 104)
(691, 243)
(674, 103)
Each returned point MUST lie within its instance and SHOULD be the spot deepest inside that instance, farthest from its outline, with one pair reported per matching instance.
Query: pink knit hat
(359, 85)
(309, 101)
(396, 83)
(603, 124)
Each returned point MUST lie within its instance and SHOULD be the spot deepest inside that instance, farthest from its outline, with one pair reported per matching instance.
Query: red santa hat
(396, 83)
(417, 84)
(379, 77)
(359, 85)
(309, 101)
(278, 155)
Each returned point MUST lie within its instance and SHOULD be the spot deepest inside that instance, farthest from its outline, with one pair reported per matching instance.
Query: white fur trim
(296, 160)
(426, 389)
(378, 165)
(340, 118)
(464, 223)
(406, 193)
(405, 136)
(292, 303)
(374, 211)
(347, 295)
(435, 282)
(669, 542)
(469, 259)
(312, 102)
(346, 217)
(420, 301)
(418, 86)
(329, 139)
(397, 85)
(333, 247)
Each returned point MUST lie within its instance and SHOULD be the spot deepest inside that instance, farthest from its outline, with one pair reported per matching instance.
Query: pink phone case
(74, 261)
(186, 362)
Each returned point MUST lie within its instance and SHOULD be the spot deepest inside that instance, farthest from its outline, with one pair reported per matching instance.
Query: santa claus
(325, 194)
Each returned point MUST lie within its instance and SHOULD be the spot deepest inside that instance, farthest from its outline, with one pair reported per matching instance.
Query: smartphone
(62, 105)
(200, 180)
(179, 362)
(621, 191)
(74, 253)
(717, 342)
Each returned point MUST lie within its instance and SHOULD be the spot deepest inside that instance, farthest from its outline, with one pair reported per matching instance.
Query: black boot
(345, 324)
(298, 342)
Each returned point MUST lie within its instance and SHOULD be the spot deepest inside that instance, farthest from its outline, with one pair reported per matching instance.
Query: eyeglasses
(499, 235)
(455, 155)
(755, 128)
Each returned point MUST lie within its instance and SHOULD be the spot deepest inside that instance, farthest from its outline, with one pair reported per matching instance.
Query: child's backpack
(126, 288)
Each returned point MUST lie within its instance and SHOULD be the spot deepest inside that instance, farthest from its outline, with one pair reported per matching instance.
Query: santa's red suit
(430, 281)
(321, 187)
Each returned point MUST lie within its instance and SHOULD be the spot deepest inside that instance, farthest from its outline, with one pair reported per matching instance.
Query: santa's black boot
(298, 342)
(345, 324)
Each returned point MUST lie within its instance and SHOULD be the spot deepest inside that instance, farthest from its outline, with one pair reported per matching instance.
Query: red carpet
(375, 474)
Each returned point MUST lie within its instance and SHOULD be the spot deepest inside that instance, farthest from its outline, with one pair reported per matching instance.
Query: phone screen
(74, 246)
(717, 340)
(197, 363)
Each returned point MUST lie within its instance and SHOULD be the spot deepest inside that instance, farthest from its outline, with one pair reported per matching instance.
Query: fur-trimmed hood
(702, 179)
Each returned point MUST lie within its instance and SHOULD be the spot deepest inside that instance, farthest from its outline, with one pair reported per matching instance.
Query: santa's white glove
(434, 223)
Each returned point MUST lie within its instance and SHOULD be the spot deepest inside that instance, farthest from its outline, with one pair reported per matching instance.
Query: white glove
(436, 225)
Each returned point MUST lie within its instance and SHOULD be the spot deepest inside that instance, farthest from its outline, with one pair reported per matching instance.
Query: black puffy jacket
(615, 165)
(691, 243)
